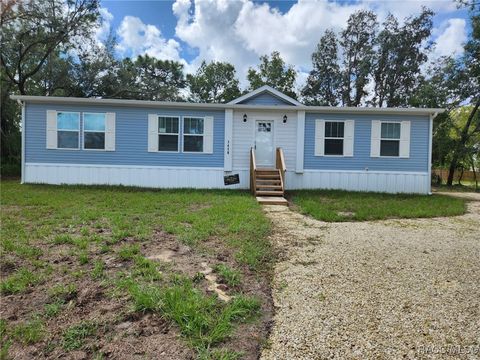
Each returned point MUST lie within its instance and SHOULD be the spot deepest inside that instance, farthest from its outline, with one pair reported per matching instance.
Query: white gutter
(172, 104)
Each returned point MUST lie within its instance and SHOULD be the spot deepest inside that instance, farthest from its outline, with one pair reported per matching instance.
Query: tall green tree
(357, 43)
(324, 81)
(455, 84)
(273, 71)
(214, 82)
(400, 53)
(35, 29)
(35, 35)
(147, 78)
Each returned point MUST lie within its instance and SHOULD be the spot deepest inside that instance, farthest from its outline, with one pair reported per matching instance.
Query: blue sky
(240, 31)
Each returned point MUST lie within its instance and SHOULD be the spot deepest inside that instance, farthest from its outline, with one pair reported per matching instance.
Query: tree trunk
(461, 176)
(461, 144)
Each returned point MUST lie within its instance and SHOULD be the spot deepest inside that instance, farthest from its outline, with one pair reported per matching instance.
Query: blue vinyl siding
(419, 140)
(131, 138)
(265, 98)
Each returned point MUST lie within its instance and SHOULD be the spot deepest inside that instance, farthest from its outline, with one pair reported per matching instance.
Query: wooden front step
(269, 193)
(269, 186)
(269, 181)
(272, 200)
(268, 176)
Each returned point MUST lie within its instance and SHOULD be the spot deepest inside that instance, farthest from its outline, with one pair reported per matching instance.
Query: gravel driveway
(376, 290)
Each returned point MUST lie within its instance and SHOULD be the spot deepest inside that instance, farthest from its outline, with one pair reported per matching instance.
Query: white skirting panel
(376, 181)
(143, 176)
(212, 178)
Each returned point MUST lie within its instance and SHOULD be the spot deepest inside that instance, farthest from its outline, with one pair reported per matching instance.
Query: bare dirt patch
(119, 332)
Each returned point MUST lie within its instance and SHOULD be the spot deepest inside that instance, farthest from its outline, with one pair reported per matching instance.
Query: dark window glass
(389, 148)
(390, 131)
(67, 139)
(168, 125)
(334, 129)
(167, 142)
(94, 140)
(193, 125)
(333, 146)
(193, 143)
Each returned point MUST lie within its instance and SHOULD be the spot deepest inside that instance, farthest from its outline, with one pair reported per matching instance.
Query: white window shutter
(348, 138)
(375, 138)
(52, 129)
(405, 139)
(152, 132)
(319, 137)
(208, 135)
(110, 132)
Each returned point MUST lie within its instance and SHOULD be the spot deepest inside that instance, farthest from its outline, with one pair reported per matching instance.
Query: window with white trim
(390, 139)
(334, 137)
(193, 134)
(68, 130)
(168, 133)
(94, 131)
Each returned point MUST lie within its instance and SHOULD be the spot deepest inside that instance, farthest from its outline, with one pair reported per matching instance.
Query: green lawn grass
(336, 205)
(86, 223)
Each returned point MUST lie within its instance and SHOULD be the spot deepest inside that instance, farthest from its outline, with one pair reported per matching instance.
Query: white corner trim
(300, 141)
(262, 89)
(228, 151)
(430, 147)
(22, 169)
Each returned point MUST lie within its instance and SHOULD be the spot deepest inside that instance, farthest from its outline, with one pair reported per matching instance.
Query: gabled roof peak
(266, 89)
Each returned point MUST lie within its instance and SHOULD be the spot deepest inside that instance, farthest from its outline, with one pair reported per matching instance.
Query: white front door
(264, 153)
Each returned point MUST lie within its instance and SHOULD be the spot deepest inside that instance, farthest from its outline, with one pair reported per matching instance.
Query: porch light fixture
(244, 117)
(284, 119)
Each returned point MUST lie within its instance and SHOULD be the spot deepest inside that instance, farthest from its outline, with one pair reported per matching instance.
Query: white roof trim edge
(171, 104)
(266, 88)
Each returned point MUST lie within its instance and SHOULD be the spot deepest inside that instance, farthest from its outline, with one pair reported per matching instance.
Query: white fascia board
(210, 106)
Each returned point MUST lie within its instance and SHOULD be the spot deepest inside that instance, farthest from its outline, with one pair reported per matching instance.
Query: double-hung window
(334, 137)
(168, 127)
(193, 134)
(68, 130)
(390, 139)
(94, 131)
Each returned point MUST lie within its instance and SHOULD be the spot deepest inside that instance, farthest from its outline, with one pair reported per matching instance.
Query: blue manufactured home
(271, 141)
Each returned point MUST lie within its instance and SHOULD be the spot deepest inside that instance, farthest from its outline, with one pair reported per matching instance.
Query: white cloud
(137, 38)
(104, 26)
(450, 41)
(241, 31)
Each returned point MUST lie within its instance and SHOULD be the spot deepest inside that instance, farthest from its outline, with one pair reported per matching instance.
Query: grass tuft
(19, 281)
(230, 276)
(29, 332)
(53, 309)
(204, 320)
(146, 297)
(62, 239)
(63, 293)
(98, 271)
(146, 269)
(128, 252)
(73, 338)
